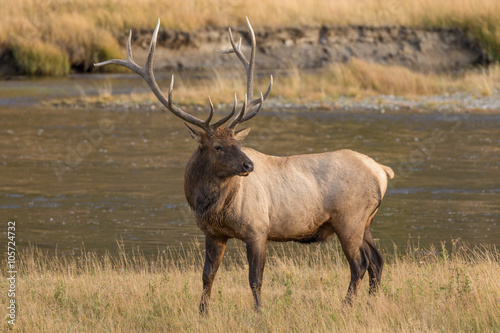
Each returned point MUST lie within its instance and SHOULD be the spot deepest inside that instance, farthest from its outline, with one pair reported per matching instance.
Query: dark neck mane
(208, 195)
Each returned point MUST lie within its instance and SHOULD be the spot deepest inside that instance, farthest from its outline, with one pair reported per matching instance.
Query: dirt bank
(432, 50)
(435, 50)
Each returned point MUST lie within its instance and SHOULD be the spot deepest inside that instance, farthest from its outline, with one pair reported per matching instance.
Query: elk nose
(248, 166)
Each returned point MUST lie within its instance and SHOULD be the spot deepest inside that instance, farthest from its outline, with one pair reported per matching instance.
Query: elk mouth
(244, 173)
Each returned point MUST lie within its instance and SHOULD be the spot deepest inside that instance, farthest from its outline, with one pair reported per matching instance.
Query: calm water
(90, 176)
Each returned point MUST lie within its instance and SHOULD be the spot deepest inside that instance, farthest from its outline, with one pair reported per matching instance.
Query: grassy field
(423, 290)
(47, 36)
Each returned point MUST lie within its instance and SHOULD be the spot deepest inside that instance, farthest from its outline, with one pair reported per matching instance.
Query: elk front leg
(256, 255)
(214, 251)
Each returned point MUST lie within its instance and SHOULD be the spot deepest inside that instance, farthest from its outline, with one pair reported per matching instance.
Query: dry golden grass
(360, 78)
(86, 30)
(357, 79)
(422, 290)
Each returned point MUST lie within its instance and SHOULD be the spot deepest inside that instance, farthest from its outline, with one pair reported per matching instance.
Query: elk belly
(300, 217)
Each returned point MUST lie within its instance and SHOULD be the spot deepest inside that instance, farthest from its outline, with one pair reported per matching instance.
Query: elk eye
(218, 148)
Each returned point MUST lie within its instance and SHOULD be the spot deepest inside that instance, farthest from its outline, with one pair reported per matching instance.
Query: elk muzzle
(247, 167)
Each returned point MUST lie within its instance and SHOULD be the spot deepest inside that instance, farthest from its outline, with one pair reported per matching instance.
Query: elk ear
(242, 134)
(196, 135)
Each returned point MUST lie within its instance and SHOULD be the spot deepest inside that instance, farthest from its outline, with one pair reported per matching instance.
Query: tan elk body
(241, 193)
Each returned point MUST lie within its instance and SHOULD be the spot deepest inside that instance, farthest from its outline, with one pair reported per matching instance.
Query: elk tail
(388, 171)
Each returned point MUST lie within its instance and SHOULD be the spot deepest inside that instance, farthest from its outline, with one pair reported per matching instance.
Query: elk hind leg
(352, 245)
(358, 267)
(376, 262)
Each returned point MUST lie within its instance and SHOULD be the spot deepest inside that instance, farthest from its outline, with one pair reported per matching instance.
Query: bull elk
(241, 193)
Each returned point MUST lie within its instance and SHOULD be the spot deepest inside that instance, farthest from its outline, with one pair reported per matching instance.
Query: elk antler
(147, 74)
(249, 67)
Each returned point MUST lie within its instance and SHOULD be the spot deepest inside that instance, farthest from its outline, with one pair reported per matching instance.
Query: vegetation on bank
(47, 37)
(357, 79)
(444, 289)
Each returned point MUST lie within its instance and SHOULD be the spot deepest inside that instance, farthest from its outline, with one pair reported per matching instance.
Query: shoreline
(462, 102)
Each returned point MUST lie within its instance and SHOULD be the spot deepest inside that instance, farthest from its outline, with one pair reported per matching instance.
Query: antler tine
(147, 74)
(186, 116)
(237, 119)
(129, 47)
(253, 114)
(207, 122)
(237, 50)
(265, 96)
(249, 68)
(128, 62)
(226, 118)
(250, 72)
(231, 50)
(251, 64)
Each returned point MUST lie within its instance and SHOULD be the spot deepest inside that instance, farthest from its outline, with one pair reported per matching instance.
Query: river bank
(54, 39)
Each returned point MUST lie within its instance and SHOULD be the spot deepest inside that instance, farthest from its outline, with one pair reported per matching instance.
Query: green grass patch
(40, 58)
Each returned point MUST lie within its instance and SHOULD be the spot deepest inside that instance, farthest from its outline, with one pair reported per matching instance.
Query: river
(76, 178)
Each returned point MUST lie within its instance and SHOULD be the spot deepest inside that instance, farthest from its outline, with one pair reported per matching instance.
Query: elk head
(222, 151)
(221, 145)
